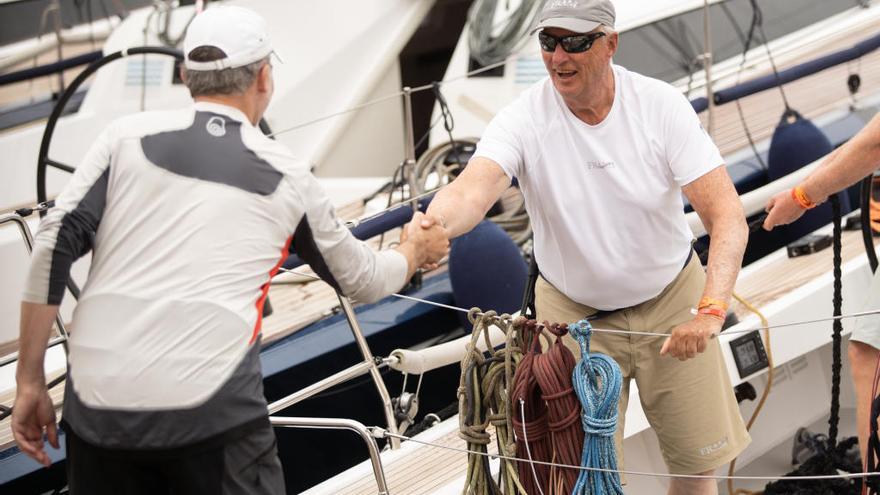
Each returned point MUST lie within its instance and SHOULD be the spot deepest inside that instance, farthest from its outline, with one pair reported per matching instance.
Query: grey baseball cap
(579, 16)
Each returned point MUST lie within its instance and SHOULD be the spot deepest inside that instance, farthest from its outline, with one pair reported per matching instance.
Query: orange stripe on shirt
(265, 290)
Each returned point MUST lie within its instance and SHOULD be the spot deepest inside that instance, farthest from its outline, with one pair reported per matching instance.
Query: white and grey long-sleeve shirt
(188, 213)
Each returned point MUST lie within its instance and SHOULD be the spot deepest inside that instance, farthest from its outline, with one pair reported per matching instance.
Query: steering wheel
(43, 160)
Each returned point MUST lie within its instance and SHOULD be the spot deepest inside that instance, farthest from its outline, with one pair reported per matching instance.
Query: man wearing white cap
(603, 156)
(189, 214)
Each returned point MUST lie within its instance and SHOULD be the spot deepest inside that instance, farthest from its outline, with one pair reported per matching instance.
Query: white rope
(522, 408)
(381, 432)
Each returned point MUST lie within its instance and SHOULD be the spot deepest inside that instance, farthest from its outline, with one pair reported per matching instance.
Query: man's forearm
(728, 243)
(456, 211)
(36, 325)
(847, 165)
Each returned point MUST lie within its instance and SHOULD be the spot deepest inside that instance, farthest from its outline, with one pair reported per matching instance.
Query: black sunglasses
(575, 43)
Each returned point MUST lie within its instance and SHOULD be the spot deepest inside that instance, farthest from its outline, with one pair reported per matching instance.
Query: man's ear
(263, 78)
(612, 42)
(182, 70)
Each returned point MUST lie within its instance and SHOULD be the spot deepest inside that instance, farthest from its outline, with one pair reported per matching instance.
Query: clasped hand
(431, 243)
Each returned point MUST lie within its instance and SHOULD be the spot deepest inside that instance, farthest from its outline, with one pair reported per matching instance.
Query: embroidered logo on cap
(555, 4)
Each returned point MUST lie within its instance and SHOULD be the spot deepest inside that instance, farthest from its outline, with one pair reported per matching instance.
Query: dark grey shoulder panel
(239, 401)
(212, 150)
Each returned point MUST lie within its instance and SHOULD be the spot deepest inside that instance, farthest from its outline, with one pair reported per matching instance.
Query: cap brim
(573, 25)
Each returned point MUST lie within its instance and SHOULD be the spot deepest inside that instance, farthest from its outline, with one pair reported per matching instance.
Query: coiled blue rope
(597, 381)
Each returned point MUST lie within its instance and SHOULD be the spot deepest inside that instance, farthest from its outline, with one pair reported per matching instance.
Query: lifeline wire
(382, 433)
(630, 332)
(387, 98)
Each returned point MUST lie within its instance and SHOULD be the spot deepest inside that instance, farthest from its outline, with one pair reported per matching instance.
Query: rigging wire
(747, 45)
(630, 332)
(392, 96)
(770, 54)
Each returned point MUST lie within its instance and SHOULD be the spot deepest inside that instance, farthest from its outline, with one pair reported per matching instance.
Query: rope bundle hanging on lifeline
(546, 422)
(597, 381)
(483, 400)
(546, 385)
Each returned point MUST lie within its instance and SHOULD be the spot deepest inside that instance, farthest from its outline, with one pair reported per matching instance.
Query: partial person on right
(841, 169)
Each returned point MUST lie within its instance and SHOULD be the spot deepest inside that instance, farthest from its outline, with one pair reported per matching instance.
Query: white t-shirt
(605, 200)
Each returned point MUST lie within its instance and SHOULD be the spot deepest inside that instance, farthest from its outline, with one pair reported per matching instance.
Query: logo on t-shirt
(593, 165)
(216, 126)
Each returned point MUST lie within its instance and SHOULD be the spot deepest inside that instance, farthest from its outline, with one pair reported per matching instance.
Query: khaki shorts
(689, 404)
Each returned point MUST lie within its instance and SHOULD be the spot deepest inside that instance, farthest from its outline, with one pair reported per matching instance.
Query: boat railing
(95, 32)
(794, 73)
(50, 68)
(28, 239)
(756, 200)
(341, 424)
(370, 364)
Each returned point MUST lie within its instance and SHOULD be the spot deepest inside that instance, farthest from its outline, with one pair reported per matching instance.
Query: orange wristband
(716, 312)
(801, 198)
(711, 301)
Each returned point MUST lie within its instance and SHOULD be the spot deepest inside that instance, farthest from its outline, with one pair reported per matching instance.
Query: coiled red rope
(547, 426)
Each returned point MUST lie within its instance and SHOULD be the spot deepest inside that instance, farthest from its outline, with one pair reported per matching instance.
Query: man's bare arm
(462, 204)
(854, 160)
(33, 411)
(842, 168)
(716, 202)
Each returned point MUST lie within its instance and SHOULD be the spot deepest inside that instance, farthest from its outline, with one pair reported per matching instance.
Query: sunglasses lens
(576, 44)
(547, 42)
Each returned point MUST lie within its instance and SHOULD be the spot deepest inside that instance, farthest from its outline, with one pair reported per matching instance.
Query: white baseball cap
(239, 32)
(579, 16)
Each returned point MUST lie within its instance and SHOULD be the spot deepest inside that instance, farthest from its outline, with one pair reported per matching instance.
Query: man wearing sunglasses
(603, 156)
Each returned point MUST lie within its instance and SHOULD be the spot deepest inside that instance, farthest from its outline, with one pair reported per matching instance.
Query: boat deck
(419, 469)
(768, 284)
(812, 96)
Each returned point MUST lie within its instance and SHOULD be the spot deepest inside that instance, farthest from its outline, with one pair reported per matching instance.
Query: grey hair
(219, 82)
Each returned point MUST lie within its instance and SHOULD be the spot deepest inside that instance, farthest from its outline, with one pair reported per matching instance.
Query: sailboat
(285, 354)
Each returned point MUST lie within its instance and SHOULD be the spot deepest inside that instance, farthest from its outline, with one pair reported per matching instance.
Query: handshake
(424, 241)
